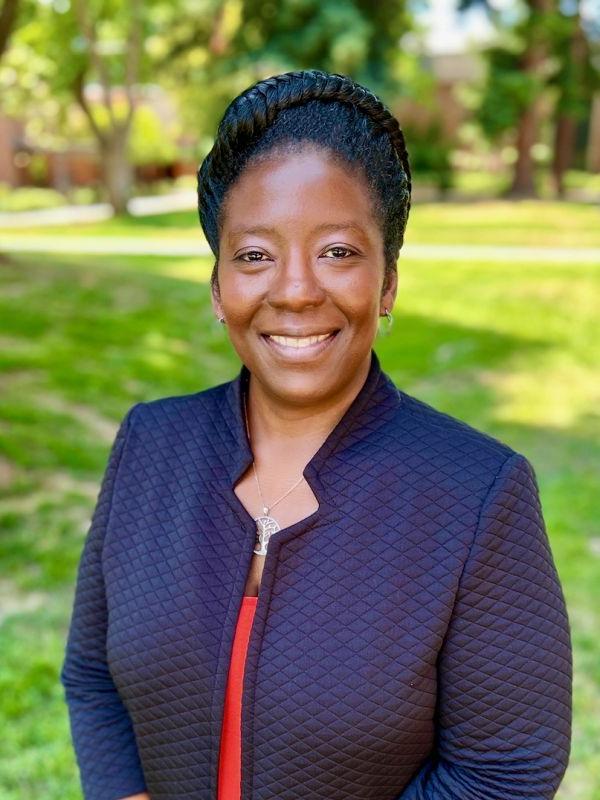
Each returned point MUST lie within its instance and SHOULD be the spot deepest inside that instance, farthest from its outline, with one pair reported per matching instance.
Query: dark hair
(285, 112)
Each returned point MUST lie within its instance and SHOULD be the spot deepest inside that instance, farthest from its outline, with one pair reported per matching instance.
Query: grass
(490, 222)
(511, 348)
(498, 222)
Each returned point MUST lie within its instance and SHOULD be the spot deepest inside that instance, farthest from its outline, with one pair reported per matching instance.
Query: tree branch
(89, 31)
(133, 57)
(79, 92)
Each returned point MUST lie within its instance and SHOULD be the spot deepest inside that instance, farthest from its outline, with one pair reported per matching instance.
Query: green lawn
(540, 224)
(512, 349)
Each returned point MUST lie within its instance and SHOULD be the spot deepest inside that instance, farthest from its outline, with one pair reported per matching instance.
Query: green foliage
(151, 141)
(429, 146)
(348, 36)
(577, 75)
(565, 68)
(302, 33)
(508, 92)
(203, 53)
(352, 37)
(203, 96)
(430, 151)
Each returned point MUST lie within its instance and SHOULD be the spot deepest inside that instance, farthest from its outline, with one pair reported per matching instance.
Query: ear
(215, 297)
(388, 298)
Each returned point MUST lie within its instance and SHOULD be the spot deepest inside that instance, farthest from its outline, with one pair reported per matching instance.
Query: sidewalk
(103, 245)
(64, 215)
(131, 245)
(98, 212)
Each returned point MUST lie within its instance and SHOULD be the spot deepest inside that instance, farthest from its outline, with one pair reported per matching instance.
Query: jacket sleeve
(505, 667)
(101, 730)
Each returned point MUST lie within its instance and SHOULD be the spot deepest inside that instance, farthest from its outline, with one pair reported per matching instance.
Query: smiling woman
(305, 582)
(301, 279)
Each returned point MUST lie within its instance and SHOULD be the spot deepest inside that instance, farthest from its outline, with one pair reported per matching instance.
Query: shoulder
(436, 441)
(435, 423)
(178, 409)
(177, 421)
(180, 432)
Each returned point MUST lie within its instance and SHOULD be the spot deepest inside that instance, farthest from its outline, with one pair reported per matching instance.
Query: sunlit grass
(528, 222)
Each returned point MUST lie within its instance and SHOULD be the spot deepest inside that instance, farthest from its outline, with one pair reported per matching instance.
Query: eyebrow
(257, 230)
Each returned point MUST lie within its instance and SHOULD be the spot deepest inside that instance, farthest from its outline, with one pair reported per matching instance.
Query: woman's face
(301, 255)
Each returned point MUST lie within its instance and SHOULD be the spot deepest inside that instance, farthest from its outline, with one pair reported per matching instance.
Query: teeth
(297, 341)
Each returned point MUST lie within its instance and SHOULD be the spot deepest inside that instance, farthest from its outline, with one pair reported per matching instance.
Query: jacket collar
(375, 402)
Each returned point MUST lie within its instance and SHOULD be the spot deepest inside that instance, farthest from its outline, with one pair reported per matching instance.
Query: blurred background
(106, 110)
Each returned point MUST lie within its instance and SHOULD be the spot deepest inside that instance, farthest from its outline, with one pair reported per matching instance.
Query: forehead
(307, 189)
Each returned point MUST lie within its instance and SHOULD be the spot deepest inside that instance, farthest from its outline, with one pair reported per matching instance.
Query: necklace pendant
(265, 527)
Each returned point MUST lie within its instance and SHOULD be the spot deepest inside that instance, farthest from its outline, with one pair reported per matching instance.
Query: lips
(298, 346)
(299, 341)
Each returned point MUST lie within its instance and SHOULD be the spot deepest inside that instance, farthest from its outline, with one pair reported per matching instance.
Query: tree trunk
(8, 18)
(117, 170)
(566, 123)
(564, 145)
(592, 156)
(523, 182)
(112, 140)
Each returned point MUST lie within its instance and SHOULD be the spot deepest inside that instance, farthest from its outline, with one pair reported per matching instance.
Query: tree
(257, 38)
(112, 133)
(517, 74)
(57, 50)
(96, 54)
(540, 57)
(8, 18)
(575, 80)
(354, 37)
(533, 63)
(99, 52)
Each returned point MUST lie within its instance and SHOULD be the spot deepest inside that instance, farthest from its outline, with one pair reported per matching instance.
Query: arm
(101, 730)
(505, 668)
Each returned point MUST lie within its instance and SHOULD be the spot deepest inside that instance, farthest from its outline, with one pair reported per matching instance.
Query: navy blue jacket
(410, 640)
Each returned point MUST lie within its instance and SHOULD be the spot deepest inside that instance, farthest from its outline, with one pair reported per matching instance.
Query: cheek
(357, 293)
(240, 295)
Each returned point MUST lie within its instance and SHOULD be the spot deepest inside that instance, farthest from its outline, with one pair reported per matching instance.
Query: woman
(370, 578)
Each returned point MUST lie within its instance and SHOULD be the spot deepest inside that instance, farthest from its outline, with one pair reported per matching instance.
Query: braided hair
(283, 113)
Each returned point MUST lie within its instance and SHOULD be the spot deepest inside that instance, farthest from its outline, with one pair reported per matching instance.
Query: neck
(277, 427)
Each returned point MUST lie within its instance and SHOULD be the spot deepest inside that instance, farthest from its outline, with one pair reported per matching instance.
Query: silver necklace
(266, 525)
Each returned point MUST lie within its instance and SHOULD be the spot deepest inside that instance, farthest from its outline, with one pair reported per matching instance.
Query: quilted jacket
(410, 641)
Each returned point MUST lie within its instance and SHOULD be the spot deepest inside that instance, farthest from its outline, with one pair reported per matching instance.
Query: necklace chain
(266, 508)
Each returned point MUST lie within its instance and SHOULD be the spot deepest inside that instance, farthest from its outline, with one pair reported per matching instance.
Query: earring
(389, 320)
(222, 320)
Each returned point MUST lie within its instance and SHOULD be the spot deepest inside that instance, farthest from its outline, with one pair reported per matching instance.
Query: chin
(300, 389)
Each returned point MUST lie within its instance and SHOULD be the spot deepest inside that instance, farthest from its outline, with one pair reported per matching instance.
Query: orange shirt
(230, 776)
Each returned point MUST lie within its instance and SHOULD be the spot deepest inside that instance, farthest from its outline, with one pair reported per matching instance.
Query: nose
(295, 284)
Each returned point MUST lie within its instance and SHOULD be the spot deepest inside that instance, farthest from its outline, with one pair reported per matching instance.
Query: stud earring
(222, 320)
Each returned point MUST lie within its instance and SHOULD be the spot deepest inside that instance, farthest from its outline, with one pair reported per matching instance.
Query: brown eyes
(242, 256)
(341, 250)
(249, 255)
